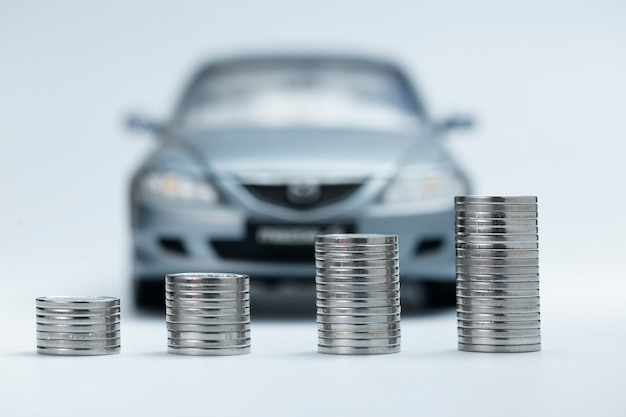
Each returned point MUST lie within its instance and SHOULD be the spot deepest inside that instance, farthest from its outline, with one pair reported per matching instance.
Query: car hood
(303, 153)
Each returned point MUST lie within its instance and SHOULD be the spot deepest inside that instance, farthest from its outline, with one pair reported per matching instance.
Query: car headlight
(417, 187)
(178, 187)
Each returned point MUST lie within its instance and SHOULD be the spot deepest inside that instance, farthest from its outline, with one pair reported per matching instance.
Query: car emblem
(303, 192)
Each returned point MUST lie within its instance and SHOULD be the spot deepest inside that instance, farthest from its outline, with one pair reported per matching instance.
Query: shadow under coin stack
(497, 264)
(207, 313)
(78, 326)
(358, 293)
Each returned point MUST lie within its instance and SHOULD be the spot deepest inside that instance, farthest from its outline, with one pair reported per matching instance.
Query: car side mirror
(136, 122)
(454, 122)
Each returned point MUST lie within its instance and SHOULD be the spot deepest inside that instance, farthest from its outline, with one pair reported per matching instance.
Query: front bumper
(169, 239)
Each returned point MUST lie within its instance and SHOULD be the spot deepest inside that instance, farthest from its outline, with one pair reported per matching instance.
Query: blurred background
(544, 81)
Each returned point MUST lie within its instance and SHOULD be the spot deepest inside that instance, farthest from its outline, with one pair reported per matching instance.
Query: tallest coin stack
(497, 263)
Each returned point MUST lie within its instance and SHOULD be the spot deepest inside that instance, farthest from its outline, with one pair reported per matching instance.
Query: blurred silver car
(264, 153)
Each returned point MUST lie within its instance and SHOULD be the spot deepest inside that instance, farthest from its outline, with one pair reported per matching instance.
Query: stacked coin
(78, 326)
(497, 264)
(358, 293)
(207, 313)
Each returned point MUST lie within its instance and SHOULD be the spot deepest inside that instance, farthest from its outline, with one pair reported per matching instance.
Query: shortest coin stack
(78, 326)
(207, 313)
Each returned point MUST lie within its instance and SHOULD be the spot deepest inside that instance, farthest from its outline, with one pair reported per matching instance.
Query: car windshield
(314, 96)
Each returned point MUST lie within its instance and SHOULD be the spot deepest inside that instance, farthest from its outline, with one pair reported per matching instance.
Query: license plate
(294, 235)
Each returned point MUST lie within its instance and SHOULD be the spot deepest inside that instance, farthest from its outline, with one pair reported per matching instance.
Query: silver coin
(207, 313)
(503, 238)
(237, 307)
(359, 311)
(483, 340)
(342, 303)
(494, 208)
(508, 293)
(351, 264)
(82, 320)
(496, 324)
(498, 246)
(205, 278)
(474, 270)
(482, 199)
(197, 289)
(208, 344)
(186, 289)
(77, 336)
(61, 309)
(358, 272)
(496, 230)
(358, 295)
(78, 328)
(370, 334)
(500, 348)
(498, 278)
(206, 288)
(355, 238)
(333, 342)
(499, 317)
(510, 302)
(357, 286)
(352, 248)
(461, 213)
(177, 315)
(215, 320)
(227, 296)
(110, 350)
(207, 304)
(209, 328)
(72, 344)
(532, 223)
(497, 286)
(208, 352)
(55, 312)
(360, 279)
(357, 318)
(209, 336)
(479, 309)
(496, 254)
(210, 310)
(356, 256)
(77, 302)
(492, 262)
(208, 281)
(346, 350)
(498, 333)
(359, 328)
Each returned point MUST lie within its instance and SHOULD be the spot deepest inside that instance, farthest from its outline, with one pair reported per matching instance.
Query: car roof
(300, 58)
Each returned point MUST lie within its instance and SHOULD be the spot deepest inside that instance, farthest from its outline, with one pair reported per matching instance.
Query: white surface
(579, 371)
(546, 83)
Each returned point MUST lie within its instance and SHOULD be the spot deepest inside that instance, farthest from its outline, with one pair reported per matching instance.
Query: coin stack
(497, 264)
(207, 313)
(78, 326)
(358, 293)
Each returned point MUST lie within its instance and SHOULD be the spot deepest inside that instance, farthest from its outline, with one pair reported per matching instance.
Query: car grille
(250, 251)
(280, 195)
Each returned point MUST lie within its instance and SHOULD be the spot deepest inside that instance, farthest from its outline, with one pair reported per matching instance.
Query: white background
(545, 81)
